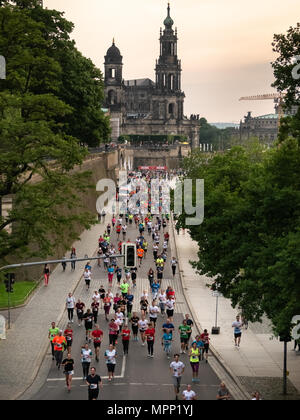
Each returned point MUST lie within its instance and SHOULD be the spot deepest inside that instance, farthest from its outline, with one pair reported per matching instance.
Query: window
(112, 73)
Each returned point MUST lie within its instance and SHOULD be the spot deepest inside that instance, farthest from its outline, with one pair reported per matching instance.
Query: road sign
(217, 294)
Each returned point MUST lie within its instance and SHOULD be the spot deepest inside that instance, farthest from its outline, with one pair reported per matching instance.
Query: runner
(125, 333)
(168, 325)
(151, 276)
(184, 331)
(80, 306)
(223, 393)
(237, 325)
(97, 336)
(68, 333)
(177, 370)
(102, 295)
(143, 324)
(144, 305)
(73, 257)
(170, 308)
(46, 274)
(86, 358)
(153, 312)
(162, 298)
(189, 394)
(88, 318)
(129, 303)
(60, 344)
(70, 305)
(110, 357)
(135, 326)
(155, 286)
(95, 309)
(53, 331)
(190, 323)
(133, 275)
(150, 334)
(174, 263)
(107, 305)
(68, 365)
(87, 278)
(110, 272)
(93, 381)
(124, 288)
(140, 254)
(194, 355)
(113, 332)
(167, 342)
(205, 338)
(118, 272)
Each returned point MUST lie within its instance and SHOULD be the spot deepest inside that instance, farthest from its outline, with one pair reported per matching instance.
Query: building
(265, 127)
(145, 107)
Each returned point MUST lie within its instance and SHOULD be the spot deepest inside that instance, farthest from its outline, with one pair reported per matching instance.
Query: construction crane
(277, 97)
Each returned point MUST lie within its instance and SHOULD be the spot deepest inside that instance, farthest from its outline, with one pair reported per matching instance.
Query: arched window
(112, 98)
(171, 109)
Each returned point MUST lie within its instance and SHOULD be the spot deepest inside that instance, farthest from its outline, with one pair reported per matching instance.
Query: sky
(224, 45)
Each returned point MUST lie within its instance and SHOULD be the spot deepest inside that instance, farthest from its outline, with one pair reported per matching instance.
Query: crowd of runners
(122, 324)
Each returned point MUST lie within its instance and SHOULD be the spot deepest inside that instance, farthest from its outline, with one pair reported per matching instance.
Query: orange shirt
(59, 343)
(140, 252)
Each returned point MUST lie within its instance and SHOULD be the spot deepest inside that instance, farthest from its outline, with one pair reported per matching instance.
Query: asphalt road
(137, 377)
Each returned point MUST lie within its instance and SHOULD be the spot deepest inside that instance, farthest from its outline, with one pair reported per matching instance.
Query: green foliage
(249, 240)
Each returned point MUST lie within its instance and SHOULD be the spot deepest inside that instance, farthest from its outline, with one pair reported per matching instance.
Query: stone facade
(145, 107)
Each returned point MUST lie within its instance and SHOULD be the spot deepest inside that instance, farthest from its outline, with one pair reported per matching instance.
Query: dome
(168, 22)
(113, 55)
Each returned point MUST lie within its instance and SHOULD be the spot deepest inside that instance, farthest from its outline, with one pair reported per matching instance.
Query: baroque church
(145, 107)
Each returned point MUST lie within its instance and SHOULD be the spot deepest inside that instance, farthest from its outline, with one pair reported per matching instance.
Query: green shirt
(184, 330)
(124, 287)
(53, 332)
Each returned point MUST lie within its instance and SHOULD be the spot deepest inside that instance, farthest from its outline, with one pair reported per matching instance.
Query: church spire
(168, 22)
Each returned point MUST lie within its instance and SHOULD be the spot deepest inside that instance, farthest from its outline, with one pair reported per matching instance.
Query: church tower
(113, 78)
(168, 74)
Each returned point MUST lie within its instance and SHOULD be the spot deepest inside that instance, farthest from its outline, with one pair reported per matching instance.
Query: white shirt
(70, 302)
(119, 322)
(86, 355)
(143, 324)
(170, 304)
(111, 356)
(189, 395)
(153, 311)
(87, 275)
(162, 298)
(177, 368)
(97, 297)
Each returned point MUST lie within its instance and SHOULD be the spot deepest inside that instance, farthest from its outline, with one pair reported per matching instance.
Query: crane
(278, 98)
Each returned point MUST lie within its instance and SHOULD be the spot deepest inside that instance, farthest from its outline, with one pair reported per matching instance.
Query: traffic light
(9, 281)
(129, 251)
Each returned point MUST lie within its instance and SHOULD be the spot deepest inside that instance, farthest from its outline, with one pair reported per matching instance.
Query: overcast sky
(224, 45)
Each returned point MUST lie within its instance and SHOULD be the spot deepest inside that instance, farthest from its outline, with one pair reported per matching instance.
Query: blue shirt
(155, 287)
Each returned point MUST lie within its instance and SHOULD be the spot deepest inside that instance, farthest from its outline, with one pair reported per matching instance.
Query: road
(137, 377)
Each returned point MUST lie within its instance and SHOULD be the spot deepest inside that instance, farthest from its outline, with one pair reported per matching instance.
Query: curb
(214, 352)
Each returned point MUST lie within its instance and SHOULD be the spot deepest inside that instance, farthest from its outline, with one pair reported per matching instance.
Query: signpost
(216, 330)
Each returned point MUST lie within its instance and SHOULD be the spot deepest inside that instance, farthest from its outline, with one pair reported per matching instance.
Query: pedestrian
(93, 381)
(97, 336)
(102, 295)
(133, 276)
(46, 274)
(168, 325)
(87, 278)
(113, 331)
(135, 326)
(174, 266)
(162, 299)
(256, 396)
(150, 335)
(95, 309)
(68, 333)
(140, 254)
(153, 313)
(151, 276)
(184, 331)
(118, 272)
(190, 323)
(70, 305)
(107, 305)
(189, 394)
(129, 303)
(144, 305)
(125, 333)
(124, 288)
(205, 338)
(170, 303)
(223, 393)
(80, 307)
(68, 365)
(86, 358)
(53, 331)
(194, 355)
(177, 370)
(64, 264)
(88, 318)
(111, 271)
(167, 342)
(143, 325)
(60, 345)
(110, 357)
(73, 257)
(237, 325)
(155, 286)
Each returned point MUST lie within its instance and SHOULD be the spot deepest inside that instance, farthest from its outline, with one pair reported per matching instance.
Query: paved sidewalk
(24, 341)
(260, 355)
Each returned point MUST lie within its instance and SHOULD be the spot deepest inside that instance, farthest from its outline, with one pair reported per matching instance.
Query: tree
(248, 240)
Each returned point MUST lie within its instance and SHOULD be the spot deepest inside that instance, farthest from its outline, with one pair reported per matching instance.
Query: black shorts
(69, 343)
(184, 340)
(97, 345)
(170, 312)
(206, 348)
(111, 367)
(93, 394)
(237, 335)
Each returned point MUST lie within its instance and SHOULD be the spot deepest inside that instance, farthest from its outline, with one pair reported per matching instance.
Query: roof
(113, 55)
(267, 117)
(139, 82)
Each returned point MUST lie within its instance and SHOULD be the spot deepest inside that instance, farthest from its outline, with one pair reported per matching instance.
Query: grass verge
(21, 291)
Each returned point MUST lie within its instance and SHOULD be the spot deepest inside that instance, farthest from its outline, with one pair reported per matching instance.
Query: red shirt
(68, 334)
(205, 338)
(97, 336)
(150, 333)
(126, 334)
(170, 294)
